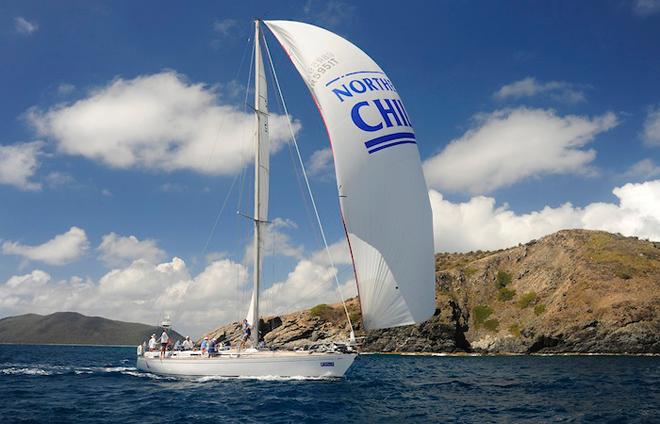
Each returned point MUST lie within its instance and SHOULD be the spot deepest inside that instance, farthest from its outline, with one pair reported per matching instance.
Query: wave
(25, 371)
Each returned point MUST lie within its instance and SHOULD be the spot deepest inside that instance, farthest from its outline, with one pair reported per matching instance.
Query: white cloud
(651, 132)
(479, 224)
(646, 7)
(59, 179)
(339, 252)
(144, 291)
(312, 281)
(307, 285)
(118, 250)
(18, 163)
(61, 249)
(530, 87)
(157, 121)
(509, 145)
(141, 292)
(329, 13)
(645, 168)
(321, 164)
(225, 27)
(25, 27)
(65, 89)
(276, 242)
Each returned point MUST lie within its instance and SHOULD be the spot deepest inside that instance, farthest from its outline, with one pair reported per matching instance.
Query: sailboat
(383, 200)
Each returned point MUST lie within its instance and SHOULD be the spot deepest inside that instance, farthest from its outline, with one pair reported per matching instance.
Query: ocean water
(101, 385)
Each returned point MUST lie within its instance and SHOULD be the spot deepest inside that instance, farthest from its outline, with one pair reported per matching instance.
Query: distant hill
(572, 291)
(74, 328)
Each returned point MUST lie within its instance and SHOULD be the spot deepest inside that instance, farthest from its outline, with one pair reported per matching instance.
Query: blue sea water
(101, 385)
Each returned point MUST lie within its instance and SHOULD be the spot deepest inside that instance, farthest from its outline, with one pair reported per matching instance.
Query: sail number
(320, 66)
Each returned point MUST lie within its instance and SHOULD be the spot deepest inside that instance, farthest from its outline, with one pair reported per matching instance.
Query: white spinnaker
(383, 195)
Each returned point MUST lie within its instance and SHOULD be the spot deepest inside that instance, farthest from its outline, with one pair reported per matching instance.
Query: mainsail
(383, 196)
(261, 177)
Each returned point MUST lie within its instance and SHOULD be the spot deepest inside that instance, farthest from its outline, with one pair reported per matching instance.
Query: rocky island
(574, 291)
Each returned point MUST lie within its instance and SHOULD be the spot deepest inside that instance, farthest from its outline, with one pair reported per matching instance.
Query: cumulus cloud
(480, 224)
(651, 131)
(509, 145)
(142, 292)
(61, 249)
(276, 241)
(312, 281)
(529, 87)
(158, 121)
(321, 164)
(25, 27)
(145, 292)
(119, 250)
(307, 285)
(645, 7)
(19, 163)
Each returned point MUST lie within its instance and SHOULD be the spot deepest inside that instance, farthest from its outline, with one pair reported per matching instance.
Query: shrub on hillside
(514, 329)
(505, 294)
(526, 300)
(539, 309)
(481, 314)
(491, 324)
(503, 278)
(322, 311)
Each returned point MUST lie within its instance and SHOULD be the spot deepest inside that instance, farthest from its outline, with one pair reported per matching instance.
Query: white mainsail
(383, 196)
(261, 177)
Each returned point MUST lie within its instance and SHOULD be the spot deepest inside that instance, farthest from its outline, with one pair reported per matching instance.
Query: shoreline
(436, 354)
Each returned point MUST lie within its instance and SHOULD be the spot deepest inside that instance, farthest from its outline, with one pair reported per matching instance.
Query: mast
(261, 174)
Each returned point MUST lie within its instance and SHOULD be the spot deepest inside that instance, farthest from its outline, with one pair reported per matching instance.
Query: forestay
(383, 195)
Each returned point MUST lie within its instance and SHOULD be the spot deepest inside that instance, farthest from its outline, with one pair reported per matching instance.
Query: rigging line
(217, 218)
(224, 121)
(224, 203)
(298, 176)
(244, 170)
(210, 156)
(309, 188)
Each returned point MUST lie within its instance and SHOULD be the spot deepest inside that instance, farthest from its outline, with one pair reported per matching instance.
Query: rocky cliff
(572, 291)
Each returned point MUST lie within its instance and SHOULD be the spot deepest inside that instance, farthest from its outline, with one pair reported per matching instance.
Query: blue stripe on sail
(353, 73)
(330, 82)
(391, 145)
(364, 72)
(382, 139)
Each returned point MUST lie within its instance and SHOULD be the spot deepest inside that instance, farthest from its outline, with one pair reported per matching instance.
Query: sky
(124, 143)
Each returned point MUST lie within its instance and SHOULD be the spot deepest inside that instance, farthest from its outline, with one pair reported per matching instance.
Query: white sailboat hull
(256, 364)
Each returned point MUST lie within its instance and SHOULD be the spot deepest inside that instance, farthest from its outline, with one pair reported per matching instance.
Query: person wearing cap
(188, 344)
(247, 331)
(152, 343)
(205, 344)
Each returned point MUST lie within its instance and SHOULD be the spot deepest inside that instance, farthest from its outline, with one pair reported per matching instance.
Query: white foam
(261, 378)
(26, 371)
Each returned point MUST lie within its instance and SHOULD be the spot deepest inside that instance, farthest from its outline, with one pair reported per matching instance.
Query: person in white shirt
(164, 341)
(152, 343)
(188, 344)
